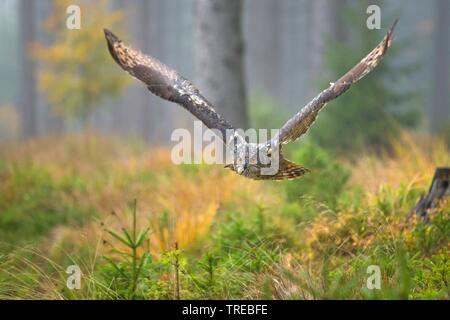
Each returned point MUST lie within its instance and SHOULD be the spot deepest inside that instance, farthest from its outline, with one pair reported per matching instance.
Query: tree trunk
(440, 105)
(219, 58)
(145, 117)
(27, 92)
(264, 46)
(440, 187)
(326, 22)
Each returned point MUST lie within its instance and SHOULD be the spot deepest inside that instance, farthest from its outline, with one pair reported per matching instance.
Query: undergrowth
(201, 232)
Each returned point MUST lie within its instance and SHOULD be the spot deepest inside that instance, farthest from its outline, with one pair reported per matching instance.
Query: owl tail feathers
(289, 170)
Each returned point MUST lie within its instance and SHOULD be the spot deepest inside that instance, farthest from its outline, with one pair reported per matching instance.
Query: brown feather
(287, 170)
(165, 82)
(299, 124)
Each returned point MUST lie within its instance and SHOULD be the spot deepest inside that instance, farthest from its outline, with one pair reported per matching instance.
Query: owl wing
(165, 83)
(299, 124)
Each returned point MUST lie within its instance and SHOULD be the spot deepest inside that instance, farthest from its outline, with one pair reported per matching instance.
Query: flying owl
(251, 160)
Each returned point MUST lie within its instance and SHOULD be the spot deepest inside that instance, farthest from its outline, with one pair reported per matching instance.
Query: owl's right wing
(165, 83)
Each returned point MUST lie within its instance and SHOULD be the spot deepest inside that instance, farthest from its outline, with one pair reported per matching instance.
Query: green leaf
(125, 232)
(120, 238)
(142, 237)
(115, 266)
(145, 257)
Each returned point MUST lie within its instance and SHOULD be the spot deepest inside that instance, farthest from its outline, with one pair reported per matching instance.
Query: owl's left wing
(299, 124)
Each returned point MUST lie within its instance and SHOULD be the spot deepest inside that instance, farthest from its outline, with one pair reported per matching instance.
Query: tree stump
(440, 187)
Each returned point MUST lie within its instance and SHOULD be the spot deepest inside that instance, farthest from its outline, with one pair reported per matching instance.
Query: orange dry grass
(413, 161)
(113, 173)
(411, 165)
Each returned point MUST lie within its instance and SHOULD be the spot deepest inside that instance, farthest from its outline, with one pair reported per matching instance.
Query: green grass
(201, 232)
(32, 203)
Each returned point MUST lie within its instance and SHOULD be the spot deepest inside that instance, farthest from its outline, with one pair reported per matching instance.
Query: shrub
(325, 183)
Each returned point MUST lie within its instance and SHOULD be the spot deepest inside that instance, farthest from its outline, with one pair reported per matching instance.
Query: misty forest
(92, 205)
